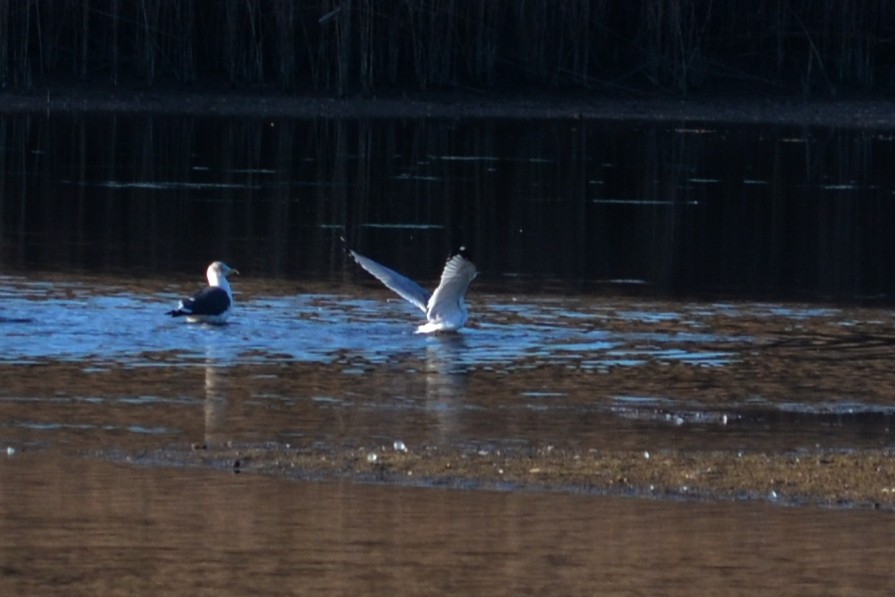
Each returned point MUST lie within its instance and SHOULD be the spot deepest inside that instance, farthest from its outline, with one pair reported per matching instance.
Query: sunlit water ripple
(746, 367)
(73, 321)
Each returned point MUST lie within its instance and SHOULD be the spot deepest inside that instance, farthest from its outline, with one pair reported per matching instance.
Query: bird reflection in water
(446, 381)
(215, 403)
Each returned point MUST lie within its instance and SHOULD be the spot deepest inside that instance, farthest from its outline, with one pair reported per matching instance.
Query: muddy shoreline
(862, 112)
(826, 478)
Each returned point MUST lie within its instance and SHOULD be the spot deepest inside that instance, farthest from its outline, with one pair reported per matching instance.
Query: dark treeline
(366, 46)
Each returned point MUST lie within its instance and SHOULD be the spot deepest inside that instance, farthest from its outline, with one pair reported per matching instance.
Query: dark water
(740, 210)
(642, 287)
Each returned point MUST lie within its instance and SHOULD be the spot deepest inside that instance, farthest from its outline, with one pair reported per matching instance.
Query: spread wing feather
(406, 288)
(458, 273)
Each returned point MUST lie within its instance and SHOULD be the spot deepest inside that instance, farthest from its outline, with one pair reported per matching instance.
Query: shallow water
(93, 363)
(88, 527)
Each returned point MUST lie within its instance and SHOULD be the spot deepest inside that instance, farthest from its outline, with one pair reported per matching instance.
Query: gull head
(218, 271)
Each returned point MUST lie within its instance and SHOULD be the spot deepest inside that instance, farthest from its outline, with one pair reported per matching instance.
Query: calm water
(744, 211)
(642, 287)
(84, 527)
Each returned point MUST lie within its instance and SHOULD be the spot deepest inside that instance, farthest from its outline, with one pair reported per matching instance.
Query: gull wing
(406, 288)
(211, 300)
(458, 272)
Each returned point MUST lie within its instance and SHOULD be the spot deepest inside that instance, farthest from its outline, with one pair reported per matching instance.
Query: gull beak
(233, 271)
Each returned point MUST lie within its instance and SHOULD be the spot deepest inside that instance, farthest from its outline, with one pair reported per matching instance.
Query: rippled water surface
(97, 361)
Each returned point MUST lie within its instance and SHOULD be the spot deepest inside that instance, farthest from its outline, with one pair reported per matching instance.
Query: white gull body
(445, 308)
(212, 304)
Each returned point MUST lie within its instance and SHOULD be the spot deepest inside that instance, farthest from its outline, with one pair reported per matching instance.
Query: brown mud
(864, 479)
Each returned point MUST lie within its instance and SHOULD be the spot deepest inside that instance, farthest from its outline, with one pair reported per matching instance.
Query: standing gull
(212, 303)
(445, 308)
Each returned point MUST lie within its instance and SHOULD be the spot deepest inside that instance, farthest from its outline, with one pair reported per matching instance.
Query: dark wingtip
(345, 246)
(175, 313)
(463, 252)
(348, 250)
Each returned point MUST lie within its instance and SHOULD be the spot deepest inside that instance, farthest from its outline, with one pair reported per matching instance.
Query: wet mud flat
(708, 442)
(864, 479)
(85, 526)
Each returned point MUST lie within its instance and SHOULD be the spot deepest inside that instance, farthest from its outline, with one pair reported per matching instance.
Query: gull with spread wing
(445, 308)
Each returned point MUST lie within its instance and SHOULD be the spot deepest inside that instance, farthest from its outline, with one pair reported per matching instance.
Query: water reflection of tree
(684, 209)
